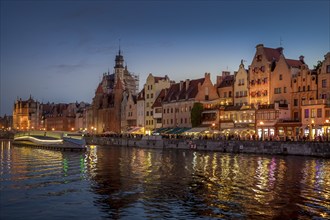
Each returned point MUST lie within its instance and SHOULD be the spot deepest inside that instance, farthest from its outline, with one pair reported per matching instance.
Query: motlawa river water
(108, 182)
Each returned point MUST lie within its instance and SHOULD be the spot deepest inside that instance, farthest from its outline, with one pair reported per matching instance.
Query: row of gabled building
(30, 114)
(275, 97)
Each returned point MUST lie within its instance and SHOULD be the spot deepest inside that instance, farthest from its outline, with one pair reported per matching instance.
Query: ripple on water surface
(133, 183)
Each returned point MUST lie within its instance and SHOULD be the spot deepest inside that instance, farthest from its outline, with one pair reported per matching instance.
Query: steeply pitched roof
(227, 81)
(99, 89)
(141, 95)
(272, 53)
(294, 63)
(159, 99)
(174, 92)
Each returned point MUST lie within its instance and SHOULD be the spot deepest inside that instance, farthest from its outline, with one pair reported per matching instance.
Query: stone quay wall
(318, 149)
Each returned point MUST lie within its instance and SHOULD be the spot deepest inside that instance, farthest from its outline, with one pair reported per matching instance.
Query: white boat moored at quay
(59, 140)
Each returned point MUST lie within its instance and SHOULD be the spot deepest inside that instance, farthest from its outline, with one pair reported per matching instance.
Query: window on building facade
(150, 87)
(206, 97)
(284, 89)
(328, 68)
(185, 120)
(168, 110)
(281, 77)
(323, 96)
(299, 89)
(164, 111)
(181, 120)
(296, 116)
(225, 94)
(308, 88)
(151, 95)
(324, 83)
(277, 90)
(164, 121)
(259, 57)
(229, 94)
(304, 89)
(327, 113)
(147, 113)
(319, 113)
(313, 113)
(171, 110)
(306, 113)
(171, 121)
(147, 96)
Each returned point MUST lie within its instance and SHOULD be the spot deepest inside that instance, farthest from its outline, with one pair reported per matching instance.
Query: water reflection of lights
(91, 159)
(262, 187)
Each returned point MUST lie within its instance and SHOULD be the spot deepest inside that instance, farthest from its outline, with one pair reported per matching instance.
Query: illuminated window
(313, 113)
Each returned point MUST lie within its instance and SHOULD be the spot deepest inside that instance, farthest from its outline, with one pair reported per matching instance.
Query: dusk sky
(57, 51)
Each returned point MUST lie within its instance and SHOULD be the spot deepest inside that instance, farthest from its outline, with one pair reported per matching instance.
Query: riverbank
(317, 149)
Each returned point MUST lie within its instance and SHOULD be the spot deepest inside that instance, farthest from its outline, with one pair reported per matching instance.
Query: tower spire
(119, 46)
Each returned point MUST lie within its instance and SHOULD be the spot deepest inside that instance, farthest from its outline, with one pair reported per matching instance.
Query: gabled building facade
(225, 88)
(263, 64)
(180, 98)
(140, 110)
(152, 89)
(26, 114)
(241, 89)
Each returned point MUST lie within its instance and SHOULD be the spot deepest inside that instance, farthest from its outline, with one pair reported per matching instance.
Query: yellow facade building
(152, 88)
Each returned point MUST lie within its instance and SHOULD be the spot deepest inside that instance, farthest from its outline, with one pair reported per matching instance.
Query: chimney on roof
(219, 80)
(187, 84)
(259, 46)
(301, 58)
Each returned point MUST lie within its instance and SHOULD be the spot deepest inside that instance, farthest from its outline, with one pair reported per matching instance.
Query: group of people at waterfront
(220, 137)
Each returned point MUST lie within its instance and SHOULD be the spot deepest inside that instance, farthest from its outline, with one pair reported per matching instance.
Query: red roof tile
(174, 92)
(99, 89)
(227, 81)
(272, 53)
(159, 99)
(141, 95)
(294, 63)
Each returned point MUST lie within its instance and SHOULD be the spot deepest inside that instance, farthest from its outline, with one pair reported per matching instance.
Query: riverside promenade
(302, 148)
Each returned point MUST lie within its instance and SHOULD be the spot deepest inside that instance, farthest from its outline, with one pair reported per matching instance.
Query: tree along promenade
(302, 148)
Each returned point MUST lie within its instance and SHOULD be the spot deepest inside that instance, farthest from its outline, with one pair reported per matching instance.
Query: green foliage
(196, 114)
(318, 65)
